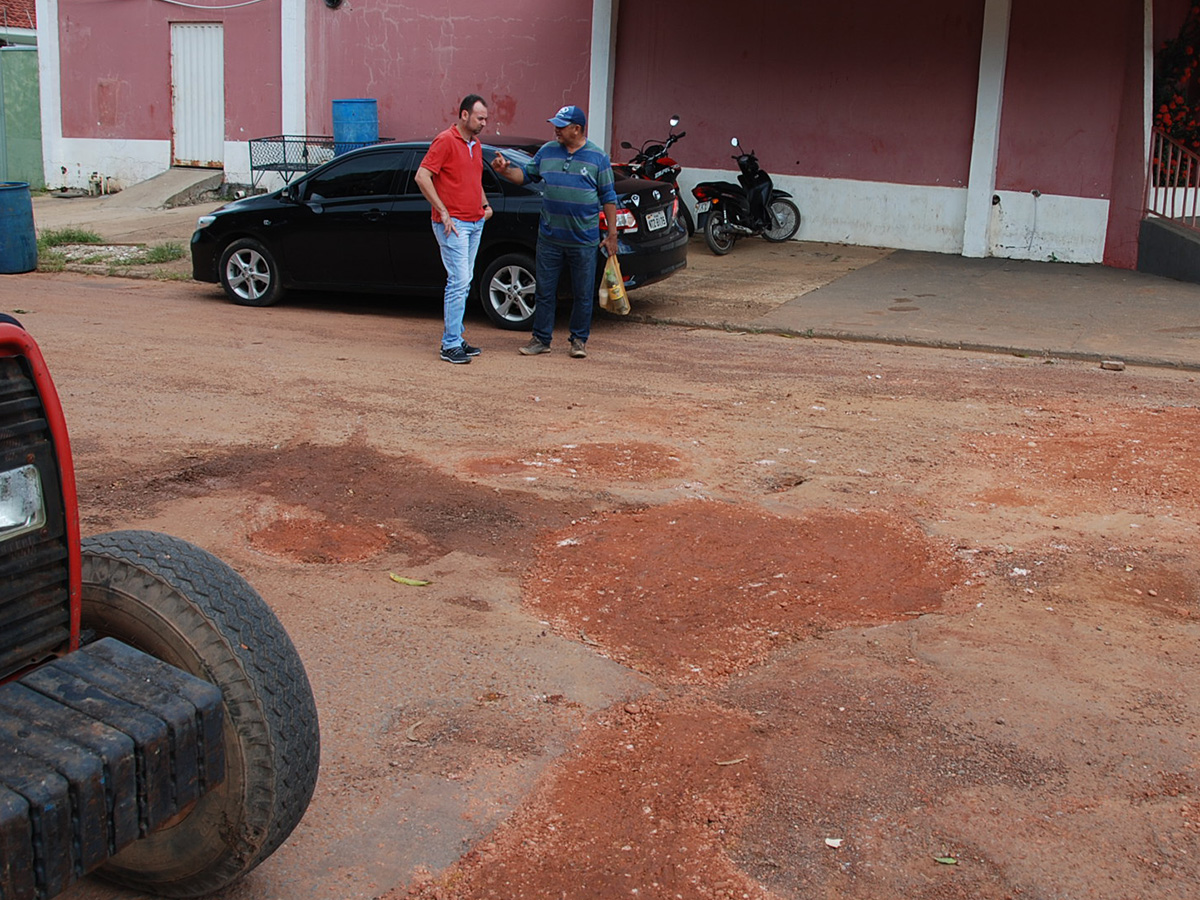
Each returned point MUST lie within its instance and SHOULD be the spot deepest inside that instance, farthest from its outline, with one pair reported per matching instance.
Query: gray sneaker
(578, 349)
(534, 347)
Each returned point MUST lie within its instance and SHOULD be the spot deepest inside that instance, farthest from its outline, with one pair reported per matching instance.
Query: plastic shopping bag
(612, 289)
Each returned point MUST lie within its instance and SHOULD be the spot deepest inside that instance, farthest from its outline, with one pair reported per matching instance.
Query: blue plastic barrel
(355, 124)
(18, 241)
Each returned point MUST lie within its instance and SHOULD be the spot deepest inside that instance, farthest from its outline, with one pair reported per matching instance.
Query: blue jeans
(458, 256)
(551, 260)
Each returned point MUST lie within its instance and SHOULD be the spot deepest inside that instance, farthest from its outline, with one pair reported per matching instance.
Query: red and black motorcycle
(652, 162)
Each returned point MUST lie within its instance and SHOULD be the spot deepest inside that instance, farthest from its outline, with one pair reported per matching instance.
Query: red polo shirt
(457, 169)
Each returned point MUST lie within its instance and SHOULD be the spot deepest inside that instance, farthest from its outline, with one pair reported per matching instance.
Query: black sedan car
(359, 223)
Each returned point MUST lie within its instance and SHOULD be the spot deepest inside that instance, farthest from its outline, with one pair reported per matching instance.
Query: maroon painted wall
(1168, 16)
(116, 72)
(1063, 94)
(419, 58)
(881, 92)
(1129, 162)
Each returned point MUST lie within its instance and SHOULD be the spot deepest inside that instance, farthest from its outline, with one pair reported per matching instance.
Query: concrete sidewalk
(1009, 306)
(900, 297)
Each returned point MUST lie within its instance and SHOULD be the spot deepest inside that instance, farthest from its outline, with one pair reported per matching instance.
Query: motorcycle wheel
(719, 238)
(787, 215)
(688, 222)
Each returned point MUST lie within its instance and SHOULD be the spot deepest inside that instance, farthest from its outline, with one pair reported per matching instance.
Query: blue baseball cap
(569, 115)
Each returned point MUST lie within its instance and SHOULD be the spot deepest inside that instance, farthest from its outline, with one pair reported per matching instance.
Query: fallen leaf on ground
(414, 582)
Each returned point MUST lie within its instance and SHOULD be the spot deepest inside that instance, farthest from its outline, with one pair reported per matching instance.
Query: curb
(1048, 355)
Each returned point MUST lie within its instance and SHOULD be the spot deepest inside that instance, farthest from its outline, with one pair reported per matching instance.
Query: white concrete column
(50, 87)
(293, 66)
(600, 81)
(981, 184)
(1147, 80)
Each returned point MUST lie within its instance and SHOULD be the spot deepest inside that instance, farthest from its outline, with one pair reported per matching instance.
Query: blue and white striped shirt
(577, 185)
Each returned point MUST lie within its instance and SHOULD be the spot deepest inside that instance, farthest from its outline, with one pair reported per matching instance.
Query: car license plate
(656, 220)
(703, 206)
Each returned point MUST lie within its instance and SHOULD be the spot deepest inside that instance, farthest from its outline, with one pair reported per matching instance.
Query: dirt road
(710, 615)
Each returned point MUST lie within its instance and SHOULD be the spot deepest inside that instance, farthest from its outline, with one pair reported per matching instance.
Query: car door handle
(374, 215)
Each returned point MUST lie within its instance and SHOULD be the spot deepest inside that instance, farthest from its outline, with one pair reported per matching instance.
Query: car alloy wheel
(507, 291)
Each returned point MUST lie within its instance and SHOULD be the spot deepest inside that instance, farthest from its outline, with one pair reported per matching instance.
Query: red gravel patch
(692, 592)
(626, 461)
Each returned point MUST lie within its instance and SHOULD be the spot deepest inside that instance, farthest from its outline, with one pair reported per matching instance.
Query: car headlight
(22, 502)
(205, 221)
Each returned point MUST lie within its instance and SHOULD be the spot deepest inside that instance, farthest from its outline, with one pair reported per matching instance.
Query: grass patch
(50, 261)
(56, 237)
(163, 253)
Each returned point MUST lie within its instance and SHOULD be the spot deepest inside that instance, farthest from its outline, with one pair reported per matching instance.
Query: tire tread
(240, 630)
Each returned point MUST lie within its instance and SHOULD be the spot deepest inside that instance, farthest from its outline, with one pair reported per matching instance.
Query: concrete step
(1170, 249)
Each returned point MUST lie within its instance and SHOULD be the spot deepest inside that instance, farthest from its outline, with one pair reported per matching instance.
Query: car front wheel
(507, 291)
(249, 274)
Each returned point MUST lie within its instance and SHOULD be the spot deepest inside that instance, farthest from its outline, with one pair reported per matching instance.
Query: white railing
(1173, 182)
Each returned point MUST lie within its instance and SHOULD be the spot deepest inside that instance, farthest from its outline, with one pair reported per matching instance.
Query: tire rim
(722, 236)
(511, 293)
(248, 274)
(783, 214)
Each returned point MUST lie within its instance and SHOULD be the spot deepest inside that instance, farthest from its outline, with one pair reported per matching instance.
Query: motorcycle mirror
(674, 121)
(625, 145)
(734, 143)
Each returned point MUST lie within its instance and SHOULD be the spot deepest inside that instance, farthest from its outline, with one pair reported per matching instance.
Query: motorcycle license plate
(656, 220)
(703, 206)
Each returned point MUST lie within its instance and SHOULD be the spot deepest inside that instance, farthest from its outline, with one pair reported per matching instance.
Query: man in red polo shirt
(451, 178)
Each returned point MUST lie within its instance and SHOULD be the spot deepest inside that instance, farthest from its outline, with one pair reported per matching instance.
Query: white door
(198, 94)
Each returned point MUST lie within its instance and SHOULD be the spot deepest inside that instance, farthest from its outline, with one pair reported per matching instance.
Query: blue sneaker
(456, 355)
(469, 350)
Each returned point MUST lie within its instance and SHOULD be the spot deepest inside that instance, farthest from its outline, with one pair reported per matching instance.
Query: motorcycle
(728, 211)
(652, 162)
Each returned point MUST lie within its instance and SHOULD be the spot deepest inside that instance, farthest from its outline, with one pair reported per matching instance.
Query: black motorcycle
(653, 162)
(728, 211)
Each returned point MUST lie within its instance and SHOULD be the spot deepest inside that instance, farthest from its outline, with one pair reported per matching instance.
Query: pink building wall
(419, 59)
(1168, 16)
(823, 90)
(1063, 94)
(116, 77)
(883, 93)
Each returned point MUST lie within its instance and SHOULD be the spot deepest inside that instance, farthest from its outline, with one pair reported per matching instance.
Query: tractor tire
(184, 606)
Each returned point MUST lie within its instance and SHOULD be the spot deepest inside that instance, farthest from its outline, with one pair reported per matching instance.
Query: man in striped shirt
(578, 180)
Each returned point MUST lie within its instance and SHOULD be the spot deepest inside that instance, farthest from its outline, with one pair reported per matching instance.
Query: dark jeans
(551, 260)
